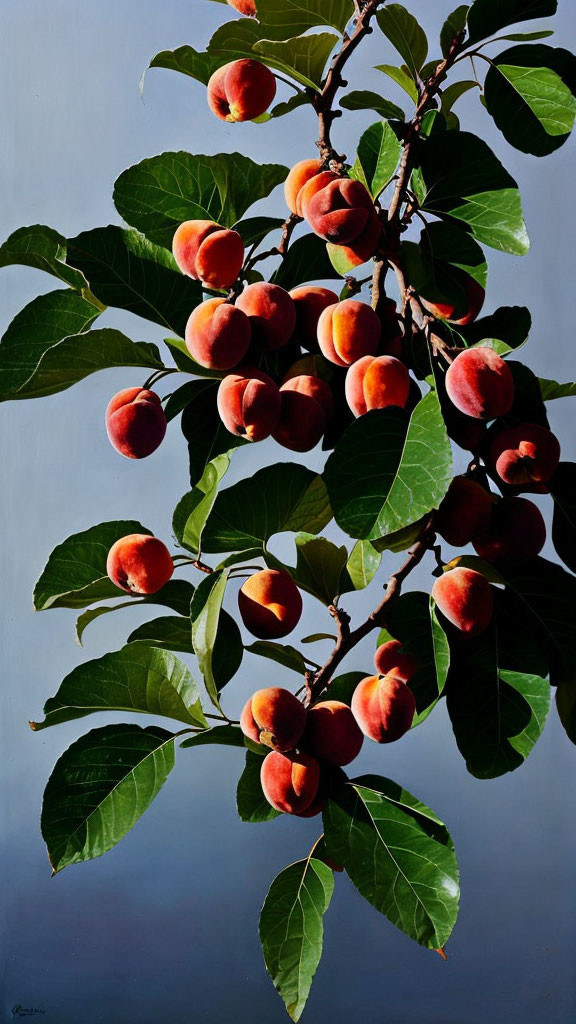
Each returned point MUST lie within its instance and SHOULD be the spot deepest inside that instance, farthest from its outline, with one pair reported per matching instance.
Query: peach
(332, 733)
(340, 211)
(300, 174)
(384, 707)
(392, 658)
(464, 512)
(480, 384)
(274, 717)
(516, 533)
(310, 301)
(135, 422)
(307, 405)
(241, 90)
(347, 331)
(246, 7)
(377, 383)
(464, 313)
(218, 334)
(290, 782)
(208, 253)
(271, 313)
(139, 564)
(527, 454)
(270, 604)
(365, 246)
(308, 190)
(249, 403)
(464, 597)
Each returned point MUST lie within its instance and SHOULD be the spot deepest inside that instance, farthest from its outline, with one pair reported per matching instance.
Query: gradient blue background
(164, 927)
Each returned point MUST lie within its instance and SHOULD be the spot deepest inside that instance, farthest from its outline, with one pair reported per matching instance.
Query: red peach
(462, 314)
(517, 532)
(377, 383)
(464, 597)
(480, 384)
(384, 708)
(135, 422)
(290, 783)
(274, 717)
(246, 7)
(310, 301)
(270, 604)
(271, 313)
(340, 211)
(364, 247)
(525, 455)
(347, 331)
(308, 190)
(464, 512)
(208, 253)
(300, 174)
(218, 334)
(307, 405)
(332, 733)
(241, 90)
(139, 564)
(249, 403)
(391, 658)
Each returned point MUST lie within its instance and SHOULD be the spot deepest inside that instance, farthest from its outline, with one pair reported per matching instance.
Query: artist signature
(26, 1011)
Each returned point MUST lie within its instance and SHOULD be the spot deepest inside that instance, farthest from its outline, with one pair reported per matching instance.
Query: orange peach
(365, 246)
(218, 334)
(308, 190)
(332, 733)
(310, 301)
(249, 403)
(246, 7)
(135, 422)
(464, 597)
(347, 331)
(392, 658)
(307, 405)
(300, 174)
(464, 313)
(517, 532)
(527, 454)
(377, 383)
(271, 313)
(139, 564)
(290, 782)
(340, 211)
(464, 512)
(384, 708)
(270, 604)
(241, 90)
(274, 717)
(480, 384)
(208, 253)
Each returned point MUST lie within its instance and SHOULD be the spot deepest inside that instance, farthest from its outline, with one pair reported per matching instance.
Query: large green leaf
(291, 929)
(282, 654)
(188, 61)
(529, 91)
(363, 99)
(464, 181)
(193, 509)
(412, 620)
(159, 193)
(176, 594)
(563, 490)
(284, 18)
(440, 267)
(306, 260)
(205, 612)
(171, 632)
(282, 498)
(319, 566)
(137, 678)
(43, 248)
(486, 17)
(303, 58)
(398, 854)
(505, 330)
(361, 567)
(125, 270)
(99, 789)
(377, 158)
(251, 802)
(452, 27)
(405, 33)
(389, 470)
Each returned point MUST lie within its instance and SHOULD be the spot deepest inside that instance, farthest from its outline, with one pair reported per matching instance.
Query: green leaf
(566, 704)
(405, 33)
(205, 433)
(563, 490)
(388, 471)
(464, 181)
(99, 789)
(137, 678)
(43, 248)
(251, 802)
(529, 91)
(527, 37)
(361, 567)
(75, 574)
(193, 509)
(363, 99)
(452, 93)
(282, 654)
(441, 266)
(398, 854)
(127, 271)
(486, 18)
(377, 158)
(297, 99)
(455, 23)
(40, 325)
(223, 735)
(551, 390)
(400, 540)
(159, 193)
(402, 77)
(171, 632)
(303, 58)
(412, 620)
(282, 498)
(284, 18)
(342, 687)
(306, 260)
(255, 229)
(291, 929)
(188, 61)
(205, 618)
(319, 566)
(176, 594)
(505, 330)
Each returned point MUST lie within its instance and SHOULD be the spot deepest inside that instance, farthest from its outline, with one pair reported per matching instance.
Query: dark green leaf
(99, 789)
(363, 99)
(297, 99)
(550, 390)
(252, 804)
(254, 229)
(176, 594)
(563, 490)
(282, 654)
(402, 77)
(285, 18)
(412, 620)
(441, 266)
(342, 687)
(205, 618)
(306, 260)
(224, 735)
(203, 429)
(171, 632)
(44, 249)
(452, 27)
(377, 158)
(505, 330)
(405, 33)
(452, 93)
(291, 929)
(193, 509)
(566, 704)
(486, 18)
(401, 540)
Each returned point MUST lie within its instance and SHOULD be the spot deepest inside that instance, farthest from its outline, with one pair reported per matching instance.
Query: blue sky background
(164, 927)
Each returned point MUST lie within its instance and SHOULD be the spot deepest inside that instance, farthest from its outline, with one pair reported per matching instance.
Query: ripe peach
(347, 331)
(308, 190)
(384, 707)
(365, 246)
(135, 422)
(465, 512)
(462, 314)
(249, 403)
(274, 717)
(526, 454)
(516, 533)
(340, 211)
(307, 405)
(310, 301)
(139, 564)
(290, 782)
(480, 384)
(241, 90)
(247, 7)
(300, 174)
(391, 658)
(218, 334)
(270, 604)
(464, 597)
(208, 253)
(377, 383)
(332, 733)
(271, 313)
